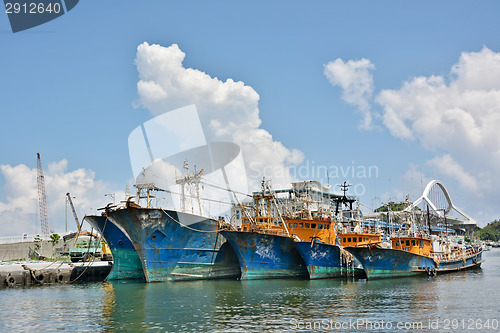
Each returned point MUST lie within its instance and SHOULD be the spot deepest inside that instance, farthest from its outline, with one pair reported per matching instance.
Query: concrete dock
(46, 272)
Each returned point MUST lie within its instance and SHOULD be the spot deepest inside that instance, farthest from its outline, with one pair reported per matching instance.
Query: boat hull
(126, 261)
(470, 261)
(176, 246)
(326, 261)
(265, 256)
(387, 263)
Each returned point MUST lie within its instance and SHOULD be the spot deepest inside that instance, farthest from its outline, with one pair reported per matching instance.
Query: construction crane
(42, 197)
(78, 225)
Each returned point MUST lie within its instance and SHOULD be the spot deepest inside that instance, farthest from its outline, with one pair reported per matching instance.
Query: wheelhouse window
(307, 225)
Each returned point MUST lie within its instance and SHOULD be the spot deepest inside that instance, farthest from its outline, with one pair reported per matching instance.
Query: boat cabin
(357, 239)
(413, 244)
(309, 229)
(264, 224)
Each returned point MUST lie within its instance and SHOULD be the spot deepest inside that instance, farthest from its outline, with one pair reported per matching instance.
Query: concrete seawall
(41, 273)
(21, 250)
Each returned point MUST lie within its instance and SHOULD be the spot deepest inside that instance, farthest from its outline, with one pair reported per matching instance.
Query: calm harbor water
(463, 301)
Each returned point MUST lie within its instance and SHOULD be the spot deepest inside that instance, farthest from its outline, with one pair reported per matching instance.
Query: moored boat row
(416, 251)
(310, 233)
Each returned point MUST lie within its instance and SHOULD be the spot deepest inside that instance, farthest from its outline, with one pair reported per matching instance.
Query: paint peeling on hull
(325, 261)
(384, 263)
(176, 246)
(126, 261)
(263, 256)
(471, 261)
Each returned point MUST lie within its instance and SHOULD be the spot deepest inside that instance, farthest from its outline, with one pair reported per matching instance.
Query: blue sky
(69, 91)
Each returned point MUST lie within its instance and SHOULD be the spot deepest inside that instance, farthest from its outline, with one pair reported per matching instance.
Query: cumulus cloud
(356, 81)
(455, 116)
(458, 116)
(228, 110)
(19, 212)
(447, 166)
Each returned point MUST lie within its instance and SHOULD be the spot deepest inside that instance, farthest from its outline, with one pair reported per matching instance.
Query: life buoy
(10, 280)
(430, 271)
(40, 278)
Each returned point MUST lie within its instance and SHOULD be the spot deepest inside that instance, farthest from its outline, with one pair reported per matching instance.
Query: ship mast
(190, 179)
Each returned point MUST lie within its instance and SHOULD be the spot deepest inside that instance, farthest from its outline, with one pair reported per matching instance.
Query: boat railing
(353, 229)
(454, 255)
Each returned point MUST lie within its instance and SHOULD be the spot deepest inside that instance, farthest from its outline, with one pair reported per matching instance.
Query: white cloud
(447, 166)
(228, 110)
(457, 117)
(356, 81)
(460, 116)
(19, 212)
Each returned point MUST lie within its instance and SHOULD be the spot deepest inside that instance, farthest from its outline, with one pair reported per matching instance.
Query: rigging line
(244, 209)
(193, 197)
(49, 264)
(206, 182)
(90, 262)
(206, 231)
(224, 189)
(363, 205)
(277, 208)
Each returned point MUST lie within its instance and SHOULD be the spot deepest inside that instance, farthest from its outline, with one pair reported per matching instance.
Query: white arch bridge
(437, 198)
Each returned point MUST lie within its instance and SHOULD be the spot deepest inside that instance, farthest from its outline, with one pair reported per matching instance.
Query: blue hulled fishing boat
(264, 247)
(263, 255)
(381, 262)
(126, 261)
(323, 260)
(413, 253)
(174, 245)
(312, 217)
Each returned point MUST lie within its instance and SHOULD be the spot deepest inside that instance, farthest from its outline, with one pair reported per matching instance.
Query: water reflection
(265, 305)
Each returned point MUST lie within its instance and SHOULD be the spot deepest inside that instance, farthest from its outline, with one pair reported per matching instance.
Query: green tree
(490, 232)
(54, 238)
(394, 206)
(37, 242)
